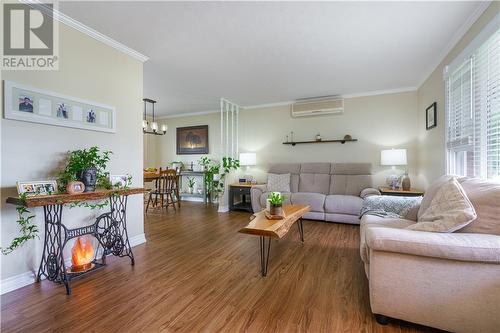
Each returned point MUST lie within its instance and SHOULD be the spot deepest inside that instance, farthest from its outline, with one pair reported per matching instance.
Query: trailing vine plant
(29, 230)
(214, 186)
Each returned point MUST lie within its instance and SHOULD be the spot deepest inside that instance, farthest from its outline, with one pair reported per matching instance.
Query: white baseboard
(18, 281)
(223, 209)
(137, 240)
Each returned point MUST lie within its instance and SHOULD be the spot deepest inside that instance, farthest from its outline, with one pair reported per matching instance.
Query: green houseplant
(191, 184)
(276, 200)
(215, 174)
(88, 166)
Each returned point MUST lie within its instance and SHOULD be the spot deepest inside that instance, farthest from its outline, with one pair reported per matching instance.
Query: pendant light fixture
(151, 128)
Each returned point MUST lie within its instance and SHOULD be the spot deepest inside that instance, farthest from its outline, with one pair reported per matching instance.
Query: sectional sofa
(334, 191)
(446, 280)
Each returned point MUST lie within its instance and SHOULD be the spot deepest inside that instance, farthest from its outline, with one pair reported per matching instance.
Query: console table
(110, 230)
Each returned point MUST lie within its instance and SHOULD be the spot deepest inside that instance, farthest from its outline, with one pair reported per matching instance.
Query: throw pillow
(278, 182)
(449, 210)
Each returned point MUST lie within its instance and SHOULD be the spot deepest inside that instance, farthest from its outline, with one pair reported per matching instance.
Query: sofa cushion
(314, 182)
(265, 195)
(485, 197)
(323, 168)
(292, 168)
(278, 182)
(430, 193)
(349, 184)
(315, 200)
(343, 204)
(369, 221)
(342, 218)
(351, 169)
(449, 210)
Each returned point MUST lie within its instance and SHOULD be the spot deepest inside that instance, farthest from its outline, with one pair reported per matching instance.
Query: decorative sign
(40, 106)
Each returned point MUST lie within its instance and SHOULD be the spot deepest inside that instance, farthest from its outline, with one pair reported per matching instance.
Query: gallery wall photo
(36, 105)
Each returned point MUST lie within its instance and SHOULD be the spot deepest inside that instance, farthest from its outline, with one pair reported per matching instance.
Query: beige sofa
(446, 280)
(335, 191)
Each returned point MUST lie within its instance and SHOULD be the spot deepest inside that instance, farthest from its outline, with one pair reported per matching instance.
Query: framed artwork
(42, 187)
(192, 140)
(119, 180)
(431, 116)
(35, 105)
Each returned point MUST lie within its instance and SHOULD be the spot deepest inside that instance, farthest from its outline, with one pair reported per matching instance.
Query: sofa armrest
(255, 194)
(454, 246)
(369, 191)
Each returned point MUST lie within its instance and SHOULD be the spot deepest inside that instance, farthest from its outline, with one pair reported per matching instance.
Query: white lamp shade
(154, 126)
(393, 157)
(248, 159)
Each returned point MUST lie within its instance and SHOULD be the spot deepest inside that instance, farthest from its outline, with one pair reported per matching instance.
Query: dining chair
(165, 191)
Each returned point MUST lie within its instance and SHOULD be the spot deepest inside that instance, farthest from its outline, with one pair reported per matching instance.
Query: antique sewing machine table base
(110, 230)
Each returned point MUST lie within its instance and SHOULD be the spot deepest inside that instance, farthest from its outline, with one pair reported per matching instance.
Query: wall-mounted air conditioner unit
(317, 107)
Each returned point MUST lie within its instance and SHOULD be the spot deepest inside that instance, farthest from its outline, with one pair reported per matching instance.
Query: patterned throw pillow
(278, 183)
(449, 210)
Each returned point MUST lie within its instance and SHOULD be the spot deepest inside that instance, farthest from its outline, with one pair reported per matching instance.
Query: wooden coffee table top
(261, 226)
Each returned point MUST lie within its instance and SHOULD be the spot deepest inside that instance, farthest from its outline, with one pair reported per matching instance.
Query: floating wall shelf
(342, 141)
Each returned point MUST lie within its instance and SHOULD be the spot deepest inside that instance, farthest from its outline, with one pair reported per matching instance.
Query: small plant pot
(89, 178)
(276, 210)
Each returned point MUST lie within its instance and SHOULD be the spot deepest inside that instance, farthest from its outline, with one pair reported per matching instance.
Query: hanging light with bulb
(151, 128)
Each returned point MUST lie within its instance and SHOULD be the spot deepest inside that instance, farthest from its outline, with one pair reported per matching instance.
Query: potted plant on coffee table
(276, 200)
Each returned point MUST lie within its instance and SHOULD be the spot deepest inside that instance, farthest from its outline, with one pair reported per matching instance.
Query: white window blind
(472, 101)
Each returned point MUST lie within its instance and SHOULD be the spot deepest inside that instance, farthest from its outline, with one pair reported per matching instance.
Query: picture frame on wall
(431, 116)
(192, 140)
(30, 104)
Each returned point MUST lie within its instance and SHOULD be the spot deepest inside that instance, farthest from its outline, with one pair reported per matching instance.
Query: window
(472, 102)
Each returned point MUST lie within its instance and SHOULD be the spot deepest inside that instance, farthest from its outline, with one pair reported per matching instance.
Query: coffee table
(263, 227)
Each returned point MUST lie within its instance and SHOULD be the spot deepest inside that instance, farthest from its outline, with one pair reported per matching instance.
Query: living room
(352, 146)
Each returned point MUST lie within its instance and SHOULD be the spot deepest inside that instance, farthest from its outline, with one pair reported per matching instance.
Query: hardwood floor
(196, 273)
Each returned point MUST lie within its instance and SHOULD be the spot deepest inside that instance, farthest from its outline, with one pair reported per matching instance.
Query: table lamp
(395, 157)
(248, 159)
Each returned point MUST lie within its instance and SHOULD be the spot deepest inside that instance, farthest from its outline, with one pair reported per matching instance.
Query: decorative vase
(89, 178)
(318, 137)
(276, 210)
(75, 187)
(405, 182)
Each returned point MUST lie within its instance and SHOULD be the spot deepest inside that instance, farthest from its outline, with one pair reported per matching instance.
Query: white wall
(89, 70)
(431, 143)
(378, 122)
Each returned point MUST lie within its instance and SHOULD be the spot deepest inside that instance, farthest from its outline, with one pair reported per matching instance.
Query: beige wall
(378, 122)
(431, 145)
(89, 70)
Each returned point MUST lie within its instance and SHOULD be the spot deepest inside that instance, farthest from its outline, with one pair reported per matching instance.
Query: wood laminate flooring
(196, 273)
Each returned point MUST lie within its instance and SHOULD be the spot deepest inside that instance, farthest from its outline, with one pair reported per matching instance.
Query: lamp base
(405, 182)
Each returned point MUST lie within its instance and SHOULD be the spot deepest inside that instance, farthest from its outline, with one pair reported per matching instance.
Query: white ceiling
(266, 52)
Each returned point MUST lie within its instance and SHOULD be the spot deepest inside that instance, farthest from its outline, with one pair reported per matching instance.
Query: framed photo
(431, 116)
(192, 140)
(35, 105)
(42, 187)
(118, 180)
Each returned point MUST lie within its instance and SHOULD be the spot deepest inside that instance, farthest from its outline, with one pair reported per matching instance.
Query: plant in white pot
(276, 200)
(191, 184)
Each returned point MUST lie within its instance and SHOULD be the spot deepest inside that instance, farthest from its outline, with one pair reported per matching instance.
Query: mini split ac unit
(317, 107)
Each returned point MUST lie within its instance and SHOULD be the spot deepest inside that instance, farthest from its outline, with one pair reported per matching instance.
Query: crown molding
(71, 22)
(286, 103)
(188, 114)
(483, 5)
(380, 92)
